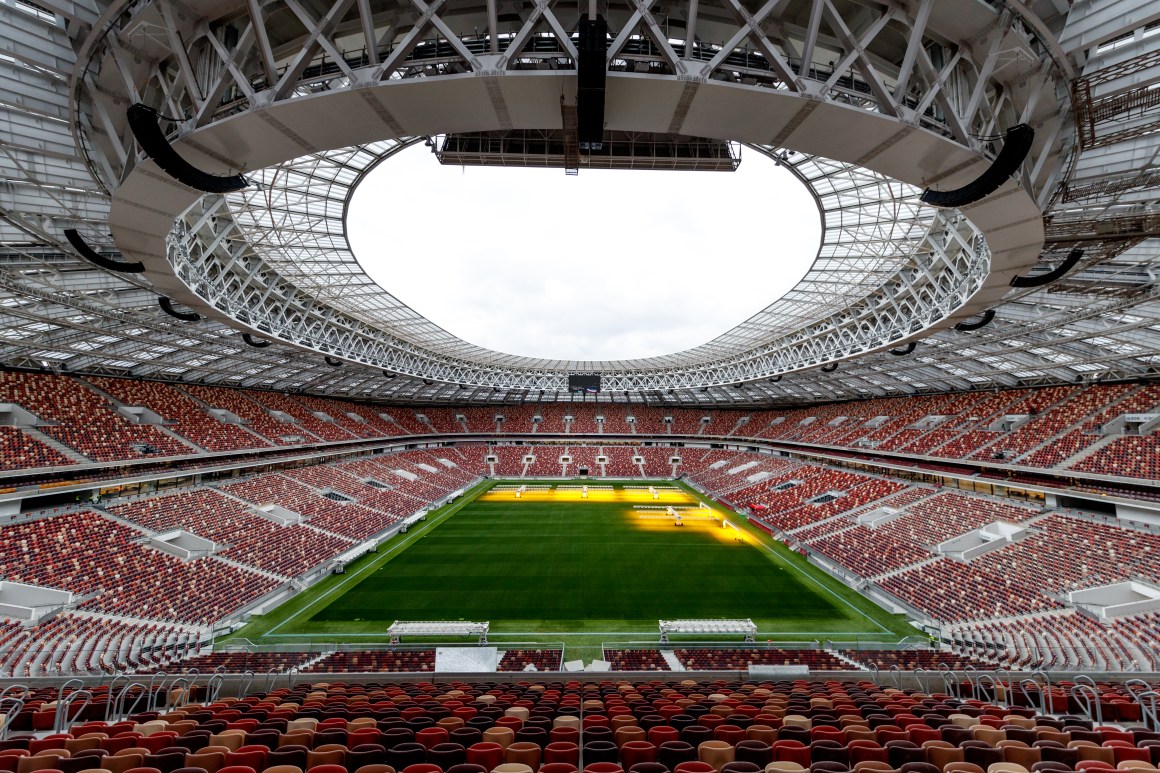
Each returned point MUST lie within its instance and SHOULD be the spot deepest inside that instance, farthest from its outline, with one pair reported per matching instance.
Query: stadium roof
(305, 96)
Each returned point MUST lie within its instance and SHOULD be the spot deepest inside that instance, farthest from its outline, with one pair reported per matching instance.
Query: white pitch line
(373, 565)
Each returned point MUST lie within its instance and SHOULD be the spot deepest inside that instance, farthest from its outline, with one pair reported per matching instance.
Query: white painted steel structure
(875, 99)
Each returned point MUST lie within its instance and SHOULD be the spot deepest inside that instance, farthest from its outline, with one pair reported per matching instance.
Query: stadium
(266, 507)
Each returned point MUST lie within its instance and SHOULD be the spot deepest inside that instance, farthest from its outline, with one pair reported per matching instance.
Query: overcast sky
(603, 265)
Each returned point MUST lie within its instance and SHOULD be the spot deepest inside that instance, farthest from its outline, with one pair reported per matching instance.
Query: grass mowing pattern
(553, 562)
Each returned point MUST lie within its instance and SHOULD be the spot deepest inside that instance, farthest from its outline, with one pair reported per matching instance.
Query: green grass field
(552, 567)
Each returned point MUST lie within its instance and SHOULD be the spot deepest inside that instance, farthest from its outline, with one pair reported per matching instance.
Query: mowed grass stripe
(569, 566)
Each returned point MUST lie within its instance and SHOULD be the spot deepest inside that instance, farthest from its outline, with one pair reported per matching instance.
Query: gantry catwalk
(875, 99)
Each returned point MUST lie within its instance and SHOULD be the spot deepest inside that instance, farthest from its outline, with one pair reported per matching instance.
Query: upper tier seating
(256, 416)
(367, 425)
(189, 418)
(73, 410)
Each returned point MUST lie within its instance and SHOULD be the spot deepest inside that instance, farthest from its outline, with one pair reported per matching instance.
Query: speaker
(985, 320)
(92, 256)
(591, 74)
(1016, 146)
(1040, 280)
(144, 125)
(185, 316)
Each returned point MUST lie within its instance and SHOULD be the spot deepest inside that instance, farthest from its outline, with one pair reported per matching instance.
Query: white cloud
(603, 265)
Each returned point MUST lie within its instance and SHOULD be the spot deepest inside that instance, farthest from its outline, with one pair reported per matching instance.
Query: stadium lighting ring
(880, 109)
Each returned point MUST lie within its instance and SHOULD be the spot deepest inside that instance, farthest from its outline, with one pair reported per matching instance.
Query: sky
(605, 265)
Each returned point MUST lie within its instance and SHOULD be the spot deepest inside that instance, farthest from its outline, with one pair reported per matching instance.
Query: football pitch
(553, 563)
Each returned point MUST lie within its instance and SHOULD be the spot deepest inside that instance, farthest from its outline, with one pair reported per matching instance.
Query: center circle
(604, 265)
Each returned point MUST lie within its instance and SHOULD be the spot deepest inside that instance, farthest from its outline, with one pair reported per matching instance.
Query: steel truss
(69, 68)
(274, 258)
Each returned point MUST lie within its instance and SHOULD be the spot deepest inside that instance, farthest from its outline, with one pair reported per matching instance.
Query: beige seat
(210, 761)
(327, 754)
(512, 767)
(1006, 767)
(783, 767)
(231, 739)
(941, 756)
(566, 720)
(623, 735)
(962, 720)
(520, 712)
(305, 723)
(38, 762)
(501, 735)
(119, 763)
(797, 720)
(989, 735)
(864, 765)
(715, 753)
(284, 769)
(300, 737)
(523, 753)
(963, 767)
(761, 733)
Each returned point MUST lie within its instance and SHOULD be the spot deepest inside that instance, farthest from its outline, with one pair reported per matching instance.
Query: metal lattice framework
(890, 95)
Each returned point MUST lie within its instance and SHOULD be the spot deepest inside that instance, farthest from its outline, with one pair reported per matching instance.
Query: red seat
(632, 752)
(791, 751)
(485, 753)
(562, 751)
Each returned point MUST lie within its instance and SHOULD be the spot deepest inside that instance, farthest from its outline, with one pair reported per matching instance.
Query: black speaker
(1016, 146)
(144, 125)
(981, 323)
(185, 316)
(91, 255)
(1040, 280)
(591, 74)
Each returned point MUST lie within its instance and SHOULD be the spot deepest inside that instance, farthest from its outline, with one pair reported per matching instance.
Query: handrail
(921, 679)
(271, 677)
(64, 713)
(153, 695)
(111, 697)
(967, 671)
(1046, 703)
(1091, 706)
(980, 690)
(23, 689)
(244, 689)
(948, 678)
(214, 687)
(119, 709)
(1147, 712)
(896, 675)
(186, 691)
(8, 717)
(290, 672)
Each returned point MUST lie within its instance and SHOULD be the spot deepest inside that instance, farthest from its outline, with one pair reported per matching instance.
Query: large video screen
(583, 383)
